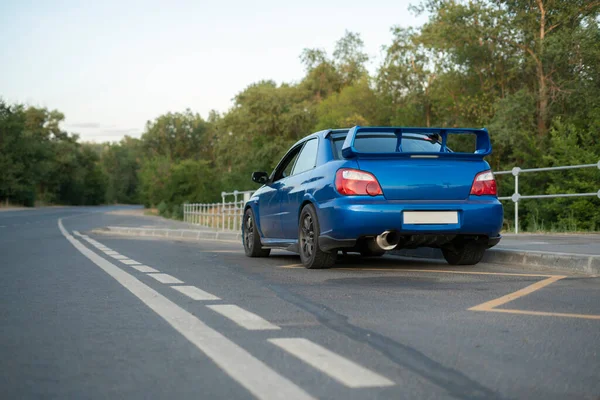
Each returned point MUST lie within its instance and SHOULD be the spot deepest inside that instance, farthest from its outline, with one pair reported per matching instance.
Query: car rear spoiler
(483, 144)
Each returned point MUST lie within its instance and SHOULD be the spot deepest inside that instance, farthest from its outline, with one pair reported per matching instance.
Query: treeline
(527, 70)
(41, 164)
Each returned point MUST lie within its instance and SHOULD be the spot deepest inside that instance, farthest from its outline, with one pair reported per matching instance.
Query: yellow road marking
(428, 270)
(443, 271)
(541, 313)
(488, 305)
(292, 266)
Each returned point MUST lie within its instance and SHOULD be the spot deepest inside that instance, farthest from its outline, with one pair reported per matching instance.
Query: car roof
(322, 134)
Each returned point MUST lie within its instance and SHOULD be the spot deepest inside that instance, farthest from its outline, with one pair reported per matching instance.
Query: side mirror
(260, 177)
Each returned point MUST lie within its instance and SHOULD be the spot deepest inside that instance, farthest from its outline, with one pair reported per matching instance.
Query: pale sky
(110, 65)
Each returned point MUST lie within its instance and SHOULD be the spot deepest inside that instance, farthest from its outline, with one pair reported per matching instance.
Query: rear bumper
(343, 220)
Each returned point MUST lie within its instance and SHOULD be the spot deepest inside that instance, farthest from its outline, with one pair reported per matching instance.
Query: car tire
(250, 237)
(311, 255)
(466, 254)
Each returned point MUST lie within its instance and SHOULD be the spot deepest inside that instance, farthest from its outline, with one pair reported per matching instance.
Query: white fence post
(515, 172)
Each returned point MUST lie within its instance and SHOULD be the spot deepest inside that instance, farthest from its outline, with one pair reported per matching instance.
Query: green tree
(120, 164)
(178, 136)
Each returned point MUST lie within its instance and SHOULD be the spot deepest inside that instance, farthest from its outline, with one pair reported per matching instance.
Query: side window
(285, 168)
(307, 158)
(288, 169)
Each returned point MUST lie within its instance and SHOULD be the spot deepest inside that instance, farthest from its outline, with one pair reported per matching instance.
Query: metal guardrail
(227, 215)
(516, 196)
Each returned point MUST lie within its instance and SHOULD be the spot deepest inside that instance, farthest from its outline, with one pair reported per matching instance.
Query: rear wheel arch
(304, 203)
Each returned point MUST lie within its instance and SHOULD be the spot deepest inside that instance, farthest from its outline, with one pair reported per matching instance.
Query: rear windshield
(385, 142)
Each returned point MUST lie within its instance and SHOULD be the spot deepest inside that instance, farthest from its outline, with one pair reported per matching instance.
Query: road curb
(588, 264)
(191, 234)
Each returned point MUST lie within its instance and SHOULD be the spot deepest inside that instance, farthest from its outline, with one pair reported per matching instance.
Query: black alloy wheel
(251, 239)
(308, 239)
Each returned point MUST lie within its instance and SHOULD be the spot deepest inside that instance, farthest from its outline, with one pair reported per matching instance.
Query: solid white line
(165, 278)
(339, 368)
(144, 268)
(194, 293)
(130, 262)
(243, 318)
(253, 374)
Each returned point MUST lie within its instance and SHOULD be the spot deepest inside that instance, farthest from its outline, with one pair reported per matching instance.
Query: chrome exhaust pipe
(387, 240)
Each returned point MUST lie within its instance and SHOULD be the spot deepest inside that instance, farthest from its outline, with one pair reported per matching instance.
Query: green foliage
(163, 210)
(41, 163)
(353, 105)
(119, 162)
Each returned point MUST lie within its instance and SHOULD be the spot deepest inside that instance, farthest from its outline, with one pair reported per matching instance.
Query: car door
(269, 207)
(294, 187)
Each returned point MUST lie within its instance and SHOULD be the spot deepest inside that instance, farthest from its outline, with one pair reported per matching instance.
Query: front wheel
(252, 245)
(308, 240)
(466, 254)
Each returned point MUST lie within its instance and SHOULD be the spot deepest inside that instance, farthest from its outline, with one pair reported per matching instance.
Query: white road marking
(339, 368)
(165, 278)
(119, 256)
(145, 269)
(243, 318)
(130, 262)
(194, 293)
(111, 252)
(263, 382)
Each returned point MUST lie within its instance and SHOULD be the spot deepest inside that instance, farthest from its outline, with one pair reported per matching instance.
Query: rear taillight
(484, 184)
(352, 182)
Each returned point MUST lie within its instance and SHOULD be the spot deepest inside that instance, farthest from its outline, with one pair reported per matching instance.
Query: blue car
(374, 189)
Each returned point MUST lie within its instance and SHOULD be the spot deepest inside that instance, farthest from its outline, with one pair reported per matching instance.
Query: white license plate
(430, 217)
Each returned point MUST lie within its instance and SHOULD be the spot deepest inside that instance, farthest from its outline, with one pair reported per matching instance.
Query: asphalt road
(93, 317)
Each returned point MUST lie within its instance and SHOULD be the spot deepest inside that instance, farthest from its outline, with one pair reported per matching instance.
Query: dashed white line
(257, 377)
(243, 318)
(165, 278)
(118, 256)
(339, 368)
(130, 262)
(194, 293)
(145, 269)
(111, 252)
